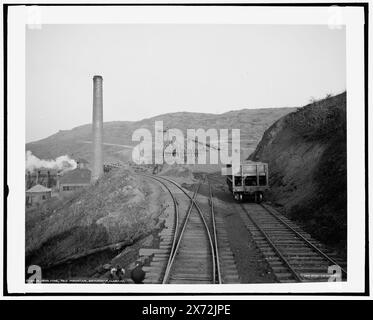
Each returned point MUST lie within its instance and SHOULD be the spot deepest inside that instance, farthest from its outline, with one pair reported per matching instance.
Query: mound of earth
(180, 172)
(121, 207)
(306, 153)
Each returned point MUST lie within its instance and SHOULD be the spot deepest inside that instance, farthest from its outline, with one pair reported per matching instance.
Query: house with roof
(82, 163)
(37, 194)
(75, 179)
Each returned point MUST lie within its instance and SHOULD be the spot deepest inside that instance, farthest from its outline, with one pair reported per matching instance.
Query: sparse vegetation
(319, 119)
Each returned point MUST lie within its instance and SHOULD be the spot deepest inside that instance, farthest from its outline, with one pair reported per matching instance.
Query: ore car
(249, 180)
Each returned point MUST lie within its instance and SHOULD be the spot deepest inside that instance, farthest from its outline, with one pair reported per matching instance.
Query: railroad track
(227, 266)
(291, 253)
(189, 250)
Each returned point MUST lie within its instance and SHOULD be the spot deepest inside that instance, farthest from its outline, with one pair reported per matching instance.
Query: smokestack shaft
(97, 128)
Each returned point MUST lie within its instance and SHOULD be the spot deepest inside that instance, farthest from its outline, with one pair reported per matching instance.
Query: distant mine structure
(43, 183)
(42, 176)
(75, 179)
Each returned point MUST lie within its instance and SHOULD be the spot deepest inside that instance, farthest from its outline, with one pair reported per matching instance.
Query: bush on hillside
(319, 119)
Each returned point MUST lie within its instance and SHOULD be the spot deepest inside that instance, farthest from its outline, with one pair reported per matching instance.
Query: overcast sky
(155, 69)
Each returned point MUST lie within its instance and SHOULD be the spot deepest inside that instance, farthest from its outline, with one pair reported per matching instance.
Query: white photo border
(352, 19)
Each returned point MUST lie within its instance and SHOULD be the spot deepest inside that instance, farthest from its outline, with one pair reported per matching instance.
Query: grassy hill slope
(251, 122)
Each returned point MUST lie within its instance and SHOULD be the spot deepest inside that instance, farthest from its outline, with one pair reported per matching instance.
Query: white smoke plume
(63, 163)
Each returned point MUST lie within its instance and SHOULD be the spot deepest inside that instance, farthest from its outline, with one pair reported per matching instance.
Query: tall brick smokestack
(97, 129)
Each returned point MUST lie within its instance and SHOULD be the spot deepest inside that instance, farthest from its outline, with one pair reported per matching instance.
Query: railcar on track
(249, 180)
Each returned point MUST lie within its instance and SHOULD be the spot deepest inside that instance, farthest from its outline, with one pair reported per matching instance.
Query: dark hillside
(306, 152)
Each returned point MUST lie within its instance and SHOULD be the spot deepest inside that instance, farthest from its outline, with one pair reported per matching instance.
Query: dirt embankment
(119, 209)
(306, 152)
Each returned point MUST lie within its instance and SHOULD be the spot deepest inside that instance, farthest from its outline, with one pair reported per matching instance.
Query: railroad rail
(214, 231)
(189, 251)
(192, 237)
(291, 253)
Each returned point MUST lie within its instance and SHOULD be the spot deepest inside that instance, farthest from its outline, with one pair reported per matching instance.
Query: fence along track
(288, 250)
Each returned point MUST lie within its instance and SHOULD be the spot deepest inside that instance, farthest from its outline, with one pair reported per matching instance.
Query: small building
(74, 180)
(82, 163)
(37, 194)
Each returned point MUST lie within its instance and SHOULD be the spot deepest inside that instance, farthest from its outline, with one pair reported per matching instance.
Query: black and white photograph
(217, 147)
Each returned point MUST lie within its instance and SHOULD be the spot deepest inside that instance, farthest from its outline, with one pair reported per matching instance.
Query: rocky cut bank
(306, 152)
